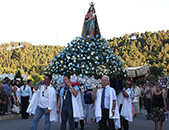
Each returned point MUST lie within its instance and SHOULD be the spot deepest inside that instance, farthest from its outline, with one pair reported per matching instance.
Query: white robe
(78, 113)
(98, 112)
(135, 102)
(52, 103)
(126, 110)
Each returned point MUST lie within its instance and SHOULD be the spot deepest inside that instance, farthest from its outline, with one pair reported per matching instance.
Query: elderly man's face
(104, 81)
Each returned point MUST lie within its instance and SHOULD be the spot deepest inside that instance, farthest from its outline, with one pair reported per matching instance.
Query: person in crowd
(141, 97)
(126, 107)
(25, 98)
(19, 79)
(45, 102)
(104, 108)
(69, 105)
(159, 106)
(148, 104)
(30, 84)
(2, 103)
(135, 101)
(2, 98)
(6, 91)
(88, 109)
(12, 91)
(167, 96)
(16, 92)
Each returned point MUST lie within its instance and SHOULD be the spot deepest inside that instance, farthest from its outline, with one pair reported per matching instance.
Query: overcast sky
(57, 22)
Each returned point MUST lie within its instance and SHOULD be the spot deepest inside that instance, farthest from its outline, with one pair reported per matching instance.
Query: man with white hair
(104, 108)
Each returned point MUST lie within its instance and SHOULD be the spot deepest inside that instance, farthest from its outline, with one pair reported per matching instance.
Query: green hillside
(137, 48)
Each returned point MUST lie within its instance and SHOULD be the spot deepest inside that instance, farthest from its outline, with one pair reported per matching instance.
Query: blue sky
(57, 22)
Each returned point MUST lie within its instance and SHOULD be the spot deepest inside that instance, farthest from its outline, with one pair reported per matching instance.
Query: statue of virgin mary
(90, 26)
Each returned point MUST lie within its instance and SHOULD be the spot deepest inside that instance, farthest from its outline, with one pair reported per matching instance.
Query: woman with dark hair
(30, 84)
(16, 92)
(159, 106)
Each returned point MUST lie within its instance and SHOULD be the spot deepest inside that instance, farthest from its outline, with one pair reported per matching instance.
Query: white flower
(88, 57)
(64, 66)
(61, 61)
(97, 57)
(86, 72)
(125, 75)
(74, 61)
(92, 68)
(84, 58)
(68, 57)
(82, 50)
(87, 68)
(92, 52)
(69, 68)
(73, 49)
(69, 64)
(83, 66)
(61, 69)
(74, 69)
(87, 43)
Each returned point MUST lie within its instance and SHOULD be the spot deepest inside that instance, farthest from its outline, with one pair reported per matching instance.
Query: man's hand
(112, 113)
(58, 111)
(48, 112)
(68, 84)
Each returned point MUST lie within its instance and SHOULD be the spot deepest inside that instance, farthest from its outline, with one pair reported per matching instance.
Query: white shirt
(43, 97)
(107, 96)
(25, 92)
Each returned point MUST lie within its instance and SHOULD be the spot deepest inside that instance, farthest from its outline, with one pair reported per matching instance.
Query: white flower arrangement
(102, 70)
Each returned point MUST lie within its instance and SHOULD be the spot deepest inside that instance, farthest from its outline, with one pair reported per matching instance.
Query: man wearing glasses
(46, 105)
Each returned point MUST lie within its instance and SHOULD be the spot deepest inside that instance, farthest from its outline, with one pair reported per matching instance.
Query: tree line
(133, 49)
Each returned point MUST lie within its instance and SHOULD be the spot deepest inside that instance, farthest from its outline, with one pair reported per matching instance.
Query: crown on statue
(92, 4)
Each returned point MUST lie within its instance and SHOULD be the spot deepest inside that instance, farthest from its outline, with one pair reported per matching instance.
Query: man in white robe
(46, 99)
(137, 92)
(69, 105)
(126, 107)
(105, 104)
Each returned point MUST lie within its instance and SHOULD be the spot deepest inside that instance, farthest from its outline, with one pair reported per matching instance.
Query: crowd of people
(101, 104)
(13, 93)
